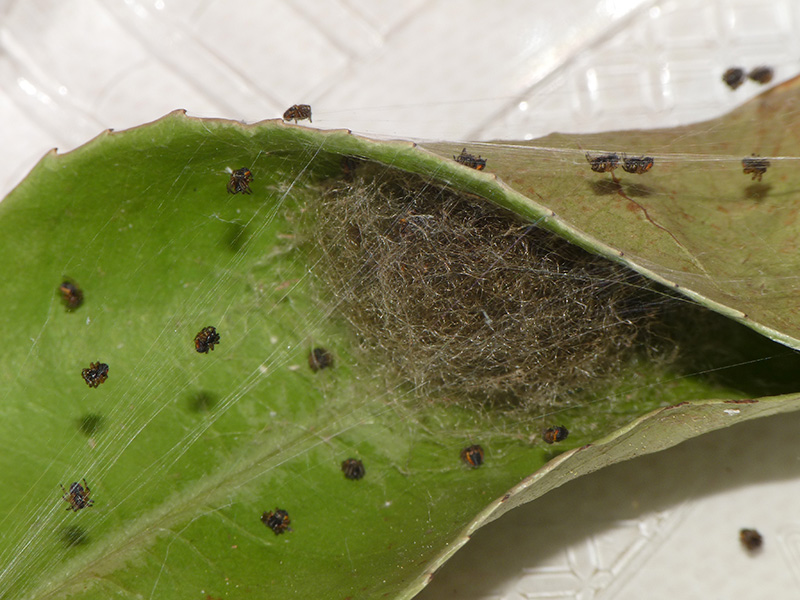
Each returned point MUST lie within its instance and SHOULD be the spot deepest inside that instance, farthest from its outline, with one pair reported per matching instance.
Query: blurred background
(663, 526)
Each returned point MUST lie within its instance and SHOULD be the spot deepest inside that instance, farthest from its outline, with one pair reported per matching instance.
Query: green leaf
(183, 451)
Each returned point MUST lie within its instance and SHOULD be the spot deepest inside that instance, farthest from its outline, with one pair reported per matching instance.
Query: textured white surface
(659, 527)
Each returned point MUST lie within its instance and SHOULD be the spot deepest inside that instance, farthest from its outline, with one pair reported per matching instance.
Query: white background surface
(664, 526)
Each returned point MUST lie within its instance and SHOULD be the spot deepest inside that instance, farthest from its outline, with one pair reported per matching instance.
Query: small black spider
(751, 539)
(762, 74)
(239, 182)
(473, 456)
(277, 520)
(755, 165)
(638, 165)
(604, 163)
(71, 295)
(470, 160)
(96, 374)
(353, 468)
(298, 112)
(555, 434)
(206, 340)
(79, 496)
(319, 358)
(733, 77)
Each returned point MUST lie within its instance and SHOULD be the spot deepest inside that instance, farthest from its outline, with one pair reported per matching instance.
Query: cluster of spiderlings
(298, 112)
(319, 358)
(71, 295)
(470, 160)
(606, 163)
(78, 497)
(734, 77)
(751, 539)
(239, 182)
(206, 339)
(353, 468)
(96, 374)
(472, 456)
(277, 520)
(755, 165)
(551, 435)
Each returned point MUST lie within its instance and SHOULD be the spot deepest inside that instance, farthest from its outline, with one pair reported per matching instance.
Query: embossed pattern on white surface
(591, 566)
